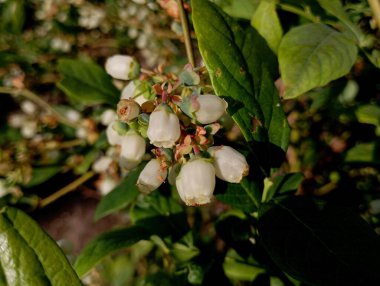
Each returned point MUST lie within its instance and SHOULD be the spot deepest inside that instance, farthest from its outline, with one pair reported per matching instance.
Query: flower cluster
(170, 121)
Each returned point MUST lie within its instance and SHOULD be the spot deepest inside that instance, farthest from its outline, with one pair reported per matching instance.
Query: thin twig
(300, 12)
(375, 7)
(39, 101)
(65, 190)
(186, 33)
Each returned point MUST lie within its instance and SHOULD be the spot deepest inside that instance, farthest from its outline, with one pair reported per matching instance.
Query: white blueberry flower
(151, 177)
(230, 165)
(211, 108)
(122, 67)
(107, 117)
(16, 120)
(132, 150)
(129, 92)
(113, 137)
(106, 185)
(29, 129)
(163, 128)
(127, 110)
(101, 165)
(73, 115)
(28, 107)
(196, 182)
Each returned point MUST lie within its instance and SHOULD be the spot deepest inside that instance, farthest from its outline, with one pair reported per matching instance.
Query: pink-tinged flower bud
(151, 177)
(196, 182)
(211, 108)
(230, 165)
(132, 150)
(163, 129)
(127, 110)
(122, 67)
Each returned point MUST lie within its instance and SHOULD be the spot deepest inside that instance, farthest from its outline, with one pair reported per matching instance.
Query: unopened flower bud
(230, 165)
(114, 138)
(196, 182)
(211, 108)
(127, 110)
(129, 91)
(101, 165)
(122, 67)
(151, 177)
(132, 150)
(163, 129)
(107, 117)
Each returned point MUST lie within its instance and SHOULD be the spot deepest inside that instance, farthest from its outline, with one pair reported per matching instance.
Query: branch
(186, 33)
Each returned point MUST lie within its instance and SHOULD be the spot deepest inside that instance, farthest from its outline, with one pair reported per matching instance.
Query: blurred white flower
(90, 17)
(122, 67)
(16, 120)
(101, 165)
(133, 32)
(107, 117)
(29, 129)
(73, 115)
(28, 107)
(230, 165)
(81, 133)
(151, 177)
(139, 1)
(59, 44)
(113, 137)
(163, 128)
(107, 184)
(196, 182)
(132, 150)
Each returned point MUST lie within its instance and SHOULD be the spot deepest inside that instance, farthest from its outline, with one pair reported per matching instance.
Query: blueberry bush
(238, 140)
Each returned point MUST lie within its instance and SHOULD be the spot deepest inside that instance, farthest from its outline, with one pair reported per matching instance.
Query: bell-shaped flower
(196, 182)
(151, 177)
(132, 150)
(127, 110)
(163, 128)
(210, 108)
(129, 92)
(114, 138)
(230, 165)
(122, 67)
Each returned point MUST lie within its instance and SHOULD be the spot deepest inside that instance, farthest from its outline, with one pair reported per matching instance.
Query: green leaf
(307, 62)
(282, 185)
(86, 82)
(108, 243)
(12, 16)
(238, 8)
(369, 114)
(265, 20)
(364, 153)
(335, 8)
(29, 256)
(42, 174)
(242, 67)
(244, 196)
(236, 268)
(160, 214)
(320, 243)
(121, 196)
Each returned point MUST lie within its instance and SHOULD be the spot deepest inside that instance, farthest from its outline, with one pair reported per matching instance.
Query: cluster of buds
(170, 121)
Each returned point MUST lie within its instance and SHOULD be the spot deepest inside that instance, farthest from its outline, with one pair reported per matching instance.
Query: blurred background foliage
(53, 119)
